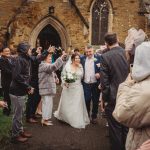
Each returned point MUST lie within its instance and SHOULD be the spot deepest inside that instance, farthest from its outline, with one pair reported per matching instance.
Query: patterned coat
(47, 85)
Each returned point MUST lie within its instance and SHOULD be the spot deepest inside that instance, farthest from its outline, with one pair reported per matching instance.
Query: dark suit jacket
(96, 61)
(114, 70)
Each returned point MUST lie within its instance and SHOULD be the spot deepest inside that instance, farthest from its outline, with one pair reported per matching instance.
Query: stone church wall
(27, 16)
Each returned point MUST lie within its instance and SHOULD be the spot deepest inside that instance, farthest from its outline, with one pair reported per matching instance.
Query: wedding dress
(72, 108)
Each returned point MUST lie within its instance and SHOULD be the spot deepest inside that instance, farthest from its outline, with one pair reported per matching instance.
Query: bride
(72, 108)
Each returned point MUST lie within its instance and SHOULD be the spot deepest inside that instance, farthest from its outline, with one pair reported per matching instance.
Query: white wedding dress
(72, 108)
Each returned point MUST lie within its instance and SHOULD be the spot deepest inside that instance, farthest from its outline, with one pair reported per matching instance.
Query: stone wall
(125, 16)
(8, 9)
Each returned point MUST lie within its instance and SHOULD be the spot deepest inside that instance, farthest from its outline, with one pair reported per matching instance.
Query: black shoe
(94, 121)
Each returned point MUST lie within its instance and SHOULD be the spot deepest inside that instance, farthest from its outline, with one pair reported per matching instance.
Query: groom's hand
(97, 75)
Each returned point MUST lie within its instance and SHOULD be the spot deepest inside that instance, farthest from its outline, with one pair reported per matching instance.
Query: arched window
(100, 14)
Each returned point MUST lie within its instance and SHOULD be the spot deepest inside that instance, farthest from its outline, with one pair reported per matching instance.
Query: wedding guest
(135, 37)
(91, 81)
(1, 91)
(133, 100)
(114, 70)
(47, 84)
(19, 88)
(34, 99)
(76, 51)
(6, 66)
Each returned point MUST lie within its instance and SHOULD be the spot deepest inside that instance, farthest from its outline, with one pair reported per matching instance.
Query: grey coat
(47, 85)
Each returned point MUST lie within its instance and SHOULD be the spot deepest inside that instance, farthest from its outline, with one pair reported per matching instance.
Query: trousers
(18, 105)
(47, 106)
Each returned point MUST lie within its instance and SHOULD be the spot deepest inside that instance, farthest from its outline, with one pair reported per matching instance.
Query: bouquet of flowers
(69, 77)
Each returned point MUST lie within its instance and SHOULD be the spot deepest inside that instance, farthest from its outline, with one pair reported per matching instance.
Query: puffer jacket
(133, 110)
(47, 85)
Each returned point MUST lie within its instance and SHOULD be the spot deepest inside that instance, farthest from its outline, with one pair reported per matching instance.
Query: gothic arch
(56, 24)
(110, 17)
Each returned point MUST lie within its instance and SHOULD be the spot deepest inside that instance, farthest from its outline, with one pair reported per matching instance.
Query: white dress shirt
(89, 71)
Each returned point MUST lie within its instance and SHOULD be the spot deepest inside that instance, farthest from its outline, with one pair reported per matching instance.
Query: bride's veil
(66, 67)
(68, 63)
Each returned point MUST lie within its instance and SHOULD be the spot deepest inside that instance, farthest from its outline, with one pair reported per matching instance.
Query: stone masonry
(20, 18)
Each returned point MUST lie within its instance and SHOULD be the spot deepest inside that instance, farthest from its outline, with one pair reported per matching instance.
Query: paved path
(63, 137)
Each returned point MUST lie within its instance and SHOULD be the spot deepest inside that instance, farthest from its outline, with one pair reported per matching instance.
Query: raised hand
(63, 56)
(3, 104)
(39, 49)
(31, 91)
(51, 49)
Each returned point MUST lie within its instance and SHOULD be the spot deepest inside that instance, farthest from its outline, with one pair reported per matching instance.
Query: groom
(91, 81)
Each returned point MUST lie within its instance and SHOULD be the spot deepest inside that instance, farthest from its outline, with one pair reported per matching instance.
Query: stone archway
(55, 24)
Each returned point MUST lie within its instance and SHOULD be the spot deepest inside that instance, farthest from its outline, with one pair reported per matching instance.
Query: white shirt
(89, 71)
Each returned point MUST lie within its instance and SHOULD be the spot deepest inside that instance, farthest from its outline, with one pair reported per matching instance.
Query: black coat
(35, 61)
(21, 76)
(6, 66)
(114, 70)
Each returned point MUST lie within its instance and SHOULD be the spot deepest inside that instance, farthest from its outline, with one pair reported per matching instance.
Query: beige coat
(133, 110)
(136, 137)
(47, 85)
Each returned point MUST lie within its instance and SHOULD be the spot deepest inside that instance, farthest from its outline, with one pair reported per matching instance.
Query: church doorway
(48, 36)
(49, 31)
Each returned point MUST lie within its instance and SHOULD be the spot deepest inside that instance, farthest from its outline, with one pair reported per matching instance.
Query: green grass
(5, 125)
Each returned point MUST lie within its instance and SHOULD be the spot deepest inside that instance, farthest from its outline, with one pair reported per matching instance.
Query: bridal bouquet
(69, 77)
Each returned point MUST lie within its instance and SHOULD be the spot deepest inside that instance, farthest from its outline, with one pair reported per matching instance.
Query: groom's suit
(91, 91)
